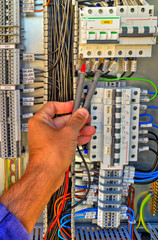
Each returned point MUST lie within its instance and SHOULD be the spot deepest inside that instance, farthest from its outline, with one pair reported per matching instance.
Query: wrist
(49, 171)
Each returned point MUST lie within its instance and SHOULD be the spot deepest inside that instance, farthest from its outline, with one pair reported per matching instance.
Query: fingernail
(83, 112)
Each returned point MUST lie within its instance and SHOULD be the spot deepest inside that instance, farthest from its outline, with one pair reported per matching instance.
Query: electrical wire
(141, 216)
(146, 115)
(62, 225)
(134, 79)
(131, 74)
(87, 191)
(81, 212)
(63, 202)
(143, 221)
(155, 165)
(153, 93)
(152, 107)
(154, 134)
(60, 86)
(58, 211)
(131, 205)
(155, 126)
(88, 184)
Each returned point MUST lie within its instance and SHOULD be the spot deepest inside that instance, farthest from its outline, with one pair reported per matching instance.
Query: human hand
(53, 141)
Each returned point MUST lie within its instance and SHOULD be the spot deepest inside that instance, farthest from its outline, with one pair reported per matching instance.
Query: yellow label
(106, 21)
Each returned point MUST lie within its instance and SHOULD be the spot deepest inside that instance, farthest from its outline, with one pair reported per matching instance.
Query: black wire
(154, 167)
(154, 134)
(153, 139)
(123, 74)
(105, 75)
(129, 76)
(89, 184)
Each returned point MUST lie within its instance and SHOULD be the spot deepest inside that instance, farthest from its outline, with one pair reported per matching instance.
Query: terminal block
(9, 21)
(109, 198)
(10, 126)
(115, 115)
(10, 66)
(122, 31)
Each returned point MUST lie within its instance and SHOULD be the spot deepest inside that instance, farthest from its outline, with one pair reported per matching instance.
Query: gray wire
(92, 89)
(79, 91)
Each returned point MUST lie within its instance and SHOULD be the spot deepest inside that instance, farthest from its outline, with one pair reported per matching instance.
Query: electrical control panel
(45, 47)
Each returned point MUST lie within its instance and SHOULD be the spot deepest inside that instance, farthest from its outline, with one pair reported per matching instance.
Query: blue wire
(153, 125)
(130, 229)
(146, 175)
(152, 173)
(78, 186)
(67, 226)
(146, 115)
(138, 176)
(80, 212)
(132, 220)
(132, 211)
(62, 225)
(152, 107)
(144, 180)
(151, 93)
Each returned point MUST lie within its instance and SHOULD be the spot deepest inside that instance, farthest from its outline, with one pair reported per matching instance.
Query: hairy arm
(52, 146)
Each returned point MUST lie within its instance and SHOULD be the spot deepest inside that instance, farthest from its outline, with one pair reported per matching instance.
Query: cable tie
(134, 222)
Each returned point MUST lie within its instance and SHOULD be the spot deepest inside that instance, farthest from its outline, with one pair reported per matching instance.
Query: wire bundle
(60, 28)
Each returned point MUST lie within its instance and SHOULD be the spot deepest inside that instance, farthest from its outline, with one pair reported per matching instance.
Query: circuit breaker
(122, 31)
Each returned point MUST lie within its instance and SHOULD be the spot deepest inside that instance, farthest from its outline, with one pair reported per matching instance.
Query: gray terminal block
(10, 125)
(9, 21)
(109, 198)
(10, 66)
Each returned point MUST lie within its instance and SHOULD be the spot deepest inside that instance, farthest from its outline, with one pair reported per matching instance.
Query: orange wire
(59, 221)
(60, 225)
(58, 210)
(55, 212)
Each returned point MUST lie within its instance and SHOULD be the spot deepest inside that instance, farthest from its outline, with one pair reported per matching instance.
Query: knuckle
(79, 118)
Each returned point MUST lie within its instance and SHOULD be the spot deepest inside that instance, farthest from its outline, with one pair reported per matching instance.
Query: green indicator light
(113, 32)
(91, 32)
(102, 32)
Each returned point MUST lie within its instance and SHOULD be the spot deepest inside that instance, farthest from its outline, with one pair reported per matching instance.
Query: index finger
(53, 108)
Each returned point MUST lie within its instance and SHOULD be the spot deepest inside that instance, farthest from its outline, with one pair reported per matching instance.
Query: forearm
(27, 198)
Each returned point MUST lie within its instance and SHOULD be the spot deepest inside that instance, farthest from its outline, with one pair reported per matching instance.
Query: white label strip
(11, 46)
(8, 88)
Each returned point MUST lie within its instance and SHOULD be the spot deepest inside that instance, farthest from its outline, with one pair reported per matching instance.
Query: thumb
(78, 119)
